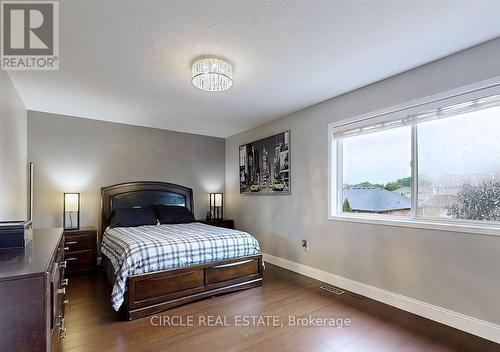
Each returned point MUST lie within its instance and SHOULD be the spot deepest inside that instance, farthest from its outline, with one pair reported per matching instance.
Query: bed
(154, 268)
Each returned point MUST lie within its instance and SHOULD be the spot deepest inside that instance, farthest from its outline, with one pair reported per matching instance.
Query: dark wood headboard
(140, 194)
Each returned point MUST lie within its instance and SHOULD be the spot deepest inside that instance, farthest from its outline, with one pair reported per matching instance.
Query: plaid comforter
(143, 249)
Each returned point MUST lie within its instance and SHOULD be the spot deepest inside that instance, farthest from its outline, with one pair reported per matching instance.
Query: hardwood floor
(92, 325)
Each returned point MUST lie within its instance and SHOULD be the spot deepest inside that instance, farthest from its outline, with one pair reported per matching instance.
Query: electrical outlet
(305, 245)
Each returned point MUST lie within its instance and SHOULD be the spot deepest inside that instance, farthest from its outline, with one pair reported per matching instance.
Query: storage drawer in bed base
(154, 292)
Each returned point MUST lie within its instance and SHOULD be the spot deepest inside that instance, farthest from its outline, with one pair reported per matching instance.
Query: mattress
(144, 249)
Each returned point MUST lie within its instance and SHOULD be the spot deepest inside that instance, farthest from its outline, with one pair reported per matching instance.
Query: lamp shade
(71, 202)
(216, 206)
(216, 199)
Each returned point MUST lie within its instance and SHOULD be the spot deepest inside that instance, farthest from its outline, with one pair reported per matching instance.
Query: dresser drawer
(79, 242)
(79, 260)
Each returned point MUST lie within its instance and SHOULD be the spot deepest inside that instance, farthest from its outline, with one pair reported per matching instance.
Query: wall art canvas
(265, 166)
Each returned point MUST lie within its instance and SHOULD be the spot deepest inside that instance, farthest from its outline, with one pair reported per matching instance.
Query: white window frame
(412, 221)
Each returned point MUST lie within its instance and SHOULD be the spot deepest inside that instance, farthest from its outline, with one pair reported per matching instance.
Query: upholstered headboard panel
(140, 194)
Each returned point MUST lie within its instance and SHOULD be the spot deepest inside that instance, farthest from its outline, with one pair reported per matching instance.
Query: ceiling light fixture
(212, 74)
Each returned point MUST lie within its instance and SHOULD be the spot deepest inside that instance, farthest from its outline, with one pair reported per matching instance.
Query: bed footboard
(158, 291)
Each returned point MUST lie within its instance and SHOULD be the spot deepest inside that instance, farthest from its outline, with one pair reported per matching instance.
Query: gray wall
(458, 271)
(81, 155)
(13, 162)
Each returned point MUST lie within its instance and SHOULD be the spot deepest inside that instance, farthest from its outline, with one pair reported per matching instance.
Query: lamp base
(69, 223)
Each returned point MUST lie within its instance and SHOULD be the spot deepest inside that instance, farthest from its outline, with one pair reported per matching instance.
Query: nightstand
(227, 223)
(80, 250)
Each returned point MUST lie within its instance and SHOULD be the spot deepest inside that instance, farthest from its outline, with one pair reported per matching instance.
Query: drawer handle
(231, 264)
(66, 301)
(61, 321)
(71, 242)
(64, 282)
(66, 248)
(62, 264)
(71, 258)
(61, 291)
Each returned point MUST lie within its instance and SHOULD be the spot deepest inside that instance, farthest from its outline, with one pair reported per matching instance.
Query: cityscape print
(265, 165)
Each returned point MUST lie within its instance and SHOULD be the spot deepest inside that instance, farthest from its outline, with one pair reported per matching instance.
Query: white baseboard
(445, 316)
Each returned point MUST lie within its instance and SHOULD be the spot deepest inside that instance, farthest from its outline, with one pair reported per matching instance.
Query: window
(376, 170)
(437, 164)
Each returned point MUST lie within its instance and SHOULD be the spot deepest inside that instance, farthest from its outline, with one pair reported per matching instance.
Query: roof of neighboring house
(402, 190)
(439, 201)
(375, 199)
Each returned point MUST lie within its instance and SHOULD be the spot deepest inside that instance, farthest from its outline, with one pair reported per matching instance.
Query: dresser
(32, 294)
(80, 249)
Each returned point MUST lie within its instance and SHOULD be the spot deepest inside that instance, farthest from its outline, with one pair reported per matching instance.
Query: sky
(377, 157)
(463, 144)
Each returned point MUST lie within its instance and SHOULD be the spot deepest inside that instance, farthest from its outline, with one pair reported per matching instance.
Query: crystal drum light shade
(212, 74)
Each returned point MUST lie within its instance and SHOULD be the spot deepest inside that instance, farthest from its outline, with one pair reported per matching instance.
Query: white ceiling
(130, 61)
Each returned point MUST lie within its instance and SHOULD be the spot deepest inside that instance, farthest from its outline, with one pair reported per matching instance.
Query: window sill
(487, 230)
